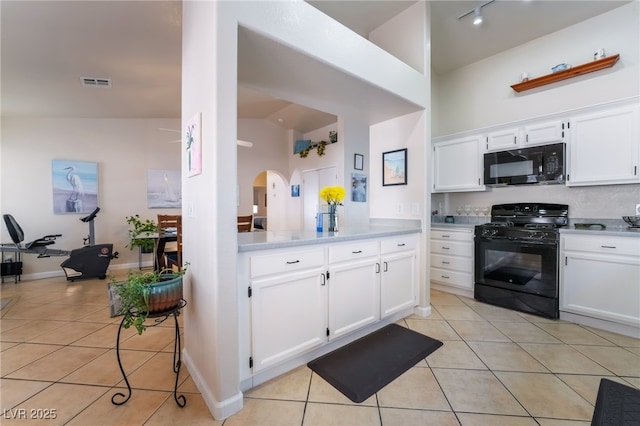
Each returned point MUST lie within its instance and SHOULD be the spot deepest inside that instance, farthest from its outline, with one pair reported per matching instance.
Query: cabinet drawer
(458, 279)
(461, 264)
(286, 262)
(449, 235)
(399, 243)
(602, 244)
(354, 251)
(454, 248)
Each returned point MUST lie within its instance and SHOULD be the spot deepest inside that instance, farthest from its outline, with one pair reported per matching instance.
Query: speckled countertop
(376, 228)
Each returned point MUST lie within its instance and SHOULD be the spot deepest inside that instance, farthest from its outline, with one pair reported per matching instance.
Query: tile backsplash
(607, 201)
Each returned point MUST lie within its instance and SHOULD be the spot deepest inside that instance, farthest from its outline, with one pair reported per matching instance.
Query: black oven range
(516, 257)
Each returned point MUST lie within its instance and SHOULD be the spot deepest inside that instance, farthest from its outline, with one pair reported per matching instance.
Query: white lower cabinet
(299, 300)
(398, 274)
(600, 278)
(288, 317)
(353, 286)
(452, 260)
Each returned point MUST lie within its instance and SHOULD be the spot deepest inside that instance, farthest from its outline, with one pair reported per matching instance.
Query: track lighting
(477, 20)
(477, 15)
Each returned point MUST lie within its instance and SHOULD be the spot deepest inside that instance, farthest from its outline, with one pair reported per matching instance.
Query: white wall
(480, 95)
(124, 150)
(269, 152)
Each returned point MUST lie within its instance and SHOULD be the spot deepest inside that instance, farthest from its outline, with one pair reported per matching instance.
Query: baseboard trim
(220, 410)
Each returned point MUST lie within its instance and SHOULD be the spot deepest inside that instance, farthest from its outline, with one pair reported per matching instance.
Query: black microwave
(539, 164)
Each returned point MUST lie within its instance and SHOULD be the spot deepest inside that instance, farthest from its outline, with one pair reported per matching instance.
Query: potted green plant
(146, 293)
(140, 228)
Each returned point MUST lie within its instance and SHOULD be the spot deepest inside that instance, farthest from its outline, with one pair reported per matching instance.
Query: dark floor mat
(365, 366)
(616, 405)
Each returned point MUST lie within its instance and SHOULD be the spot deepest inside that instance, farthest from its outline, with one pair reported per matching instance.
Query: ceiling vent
(95, 82)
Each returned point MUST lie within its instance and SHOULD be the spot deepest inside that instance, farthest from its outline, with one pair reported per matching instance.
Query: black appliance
(516, 257)
(540, 164)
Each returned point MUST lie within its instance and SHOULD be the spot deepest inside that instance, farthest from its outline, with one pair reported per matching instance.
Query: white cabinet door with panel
(600, 278)
(288, 301)
(605, 147)
(452, 260)
(503, 139)
(398, 276)
(288, 316)
(544, 133)
(353, 286)
(457, 165)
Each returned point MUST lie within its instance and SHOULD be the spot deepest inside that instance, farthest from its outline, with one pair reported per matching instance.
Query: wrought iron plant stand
(159, 318)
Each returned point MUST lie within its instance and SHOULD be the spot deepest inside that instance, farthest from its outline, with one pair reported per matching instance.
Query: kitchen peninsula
(303, 294)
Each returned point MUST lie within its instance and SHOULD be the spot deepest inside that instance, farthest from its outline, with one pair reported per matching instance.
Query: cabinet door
(544, 133)
(354, 296)
(457, 165)
(604, 148)
(502, 139)
(288, 316)
(397, 282)
(604, 287)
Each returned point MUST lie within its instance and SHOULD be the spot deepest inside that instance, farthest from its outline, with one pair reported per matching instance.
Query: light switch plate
(637, 209)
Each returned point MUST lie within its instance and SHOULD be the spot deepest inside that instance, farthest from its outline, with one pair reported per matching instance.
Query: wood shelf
(596, 65)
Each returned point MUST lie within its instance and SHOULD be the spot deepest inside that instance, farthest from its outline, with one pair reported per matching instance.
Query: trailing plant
(134, 294)
(140, 227)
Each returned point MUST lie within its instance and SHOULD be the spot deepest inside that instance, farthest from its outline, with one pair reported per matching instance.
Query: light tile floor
(497, 367)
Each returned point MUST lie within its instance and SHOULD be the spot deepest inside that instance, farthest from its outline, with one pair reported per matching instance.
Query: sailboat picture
(164, 189)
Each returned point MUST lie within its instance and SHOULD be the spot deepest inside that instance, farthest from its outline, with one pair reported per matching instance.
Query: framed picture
(194, 146)
(295, 190)
(358, 161)
(394, 167)
(358, 187)
(164, 189)
(75, 186)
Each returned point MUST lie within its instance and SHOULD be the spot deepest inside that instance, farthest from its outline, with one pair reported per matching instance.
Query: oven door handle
(517, 240)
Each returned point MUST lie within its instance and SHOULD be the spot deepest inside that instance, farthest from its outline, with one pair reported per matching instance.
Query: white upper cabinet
(457, 165)
(503, 139)
(605, 147)
(544, 133)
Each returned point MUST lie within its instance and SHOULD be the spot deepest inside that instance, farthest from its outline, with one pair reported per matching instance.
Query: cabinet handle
(445, 262)
(401, 244)
(356, 252)
(377, 268)
(292, 262)
(386, 267)
(445, 248)
(445, 236)
(445, 277)
(609, 247)
(324, 279)
(515, 140)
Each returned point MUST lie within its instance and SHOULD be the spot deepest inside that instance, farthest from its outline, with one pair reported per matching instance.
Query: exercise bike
(89, 261)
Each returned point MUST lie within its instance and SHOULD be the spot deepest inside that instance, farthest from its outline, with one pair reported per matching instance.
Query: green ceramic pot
(165, 295)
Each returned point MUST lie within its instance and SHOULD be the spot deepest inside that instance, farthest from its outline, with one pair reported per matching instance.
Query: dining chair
(245, 223)
(170, 252)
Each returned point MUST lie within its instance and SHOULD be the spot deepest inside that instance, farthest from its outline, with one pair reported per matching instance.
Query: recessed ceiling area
(285, 114)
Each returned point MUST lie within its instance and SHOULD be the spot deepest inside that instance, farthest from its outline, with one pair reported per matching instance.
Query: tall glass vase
(333, 218)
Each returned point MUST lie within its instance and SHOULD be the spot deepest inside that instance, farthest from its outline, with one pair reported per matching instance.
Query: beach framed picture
(75, 186)
(394, 167)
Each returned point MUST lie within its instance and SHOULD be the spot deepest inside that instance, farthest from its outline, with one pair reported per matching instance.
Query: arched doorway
(270, 201)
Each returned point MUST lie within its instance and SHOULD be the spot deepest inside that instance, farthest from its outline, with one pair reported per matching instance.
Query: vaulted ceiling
(49, 46)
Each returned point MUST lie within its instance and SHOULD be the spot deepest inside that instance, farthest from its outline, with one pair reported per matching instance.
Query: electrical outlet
(637, 209)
